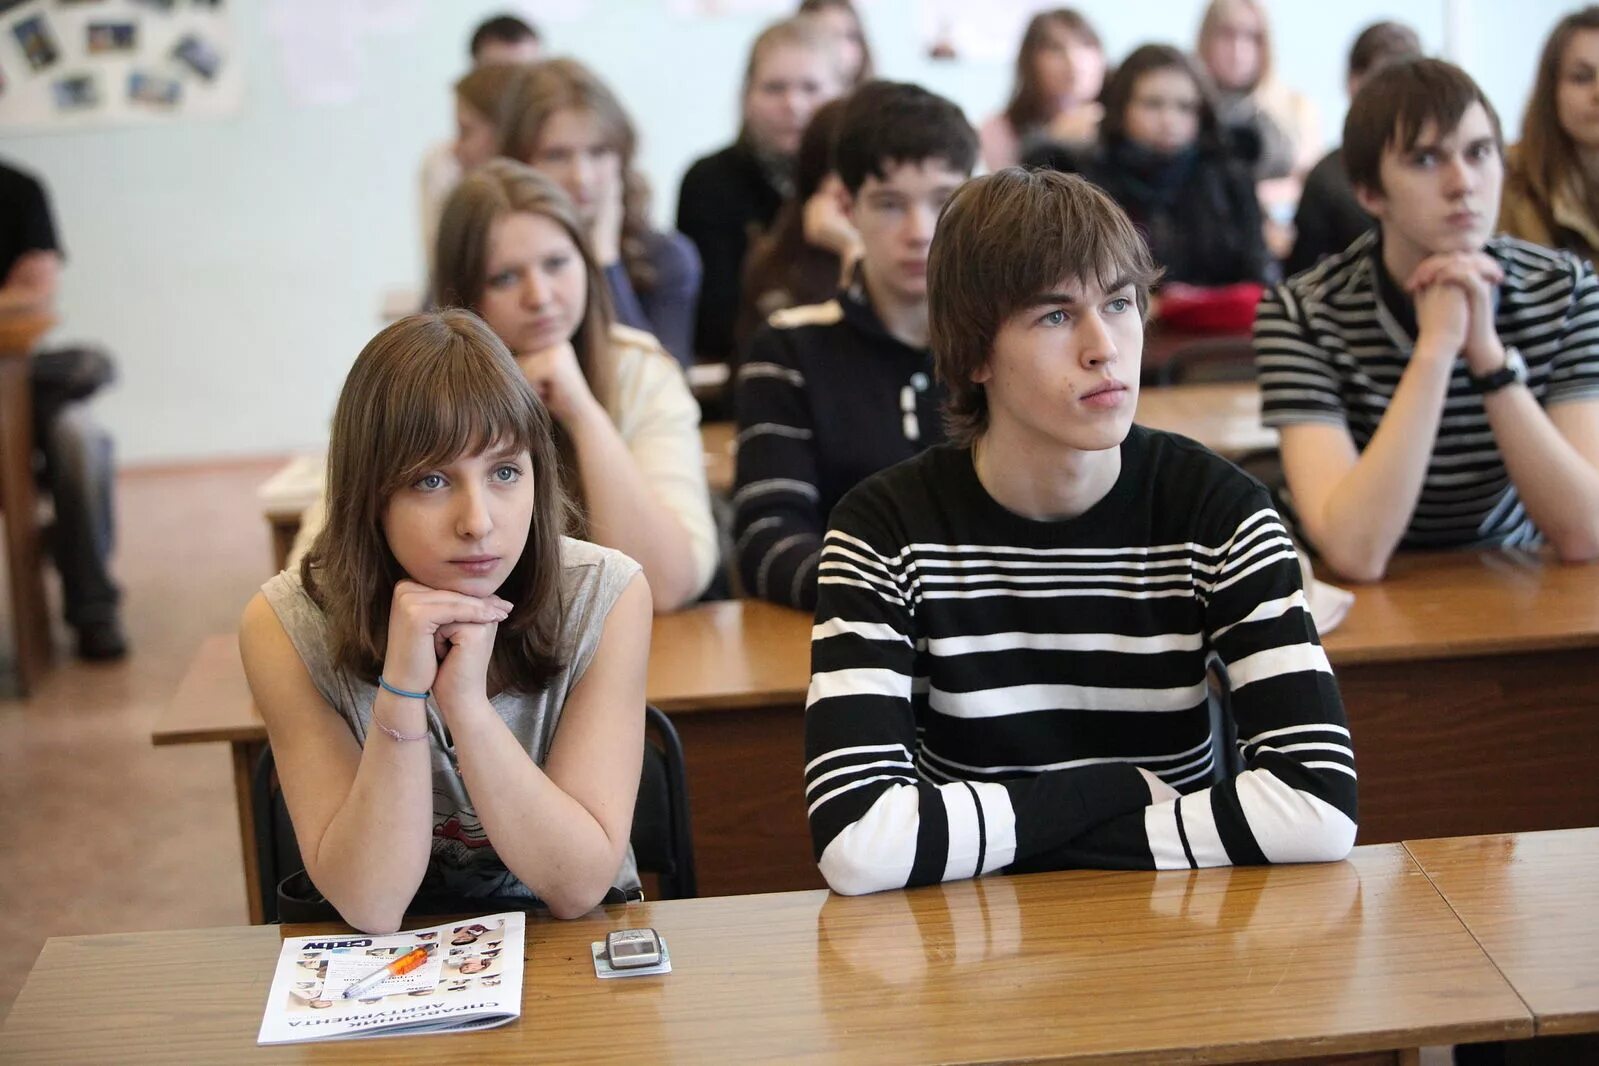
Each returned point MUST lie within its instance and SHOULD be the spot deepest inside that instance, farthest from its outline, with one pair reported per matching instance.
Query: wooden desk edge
(215, 673)
(232, 734)
(1570, 1023)
(1454, 649)
(731, 701)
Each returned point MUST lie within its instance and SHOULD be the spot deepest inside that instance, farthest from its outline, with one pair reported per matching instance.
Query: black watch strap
(1494, 382)
(1514, 370)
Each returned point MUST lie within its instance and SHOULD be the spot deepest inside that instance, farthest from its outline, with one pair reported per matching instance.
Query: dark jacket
(725, 199)
(826, 398)
(1329, 217)
(666, 308)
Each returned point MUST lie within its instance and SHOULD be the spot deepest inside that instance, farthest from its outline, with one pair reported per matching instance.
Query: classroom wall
(235, 266)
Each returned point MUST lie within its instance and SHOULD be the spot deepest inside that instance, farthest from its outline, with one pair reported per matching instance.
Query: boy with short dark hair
(1013, 630)
(504, 39)
(1329, 217)
(833, 392)
(1434, 386)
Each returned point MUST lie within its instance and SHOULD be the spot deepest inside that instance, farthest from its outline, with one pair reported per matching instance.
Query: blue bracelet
(400, 691)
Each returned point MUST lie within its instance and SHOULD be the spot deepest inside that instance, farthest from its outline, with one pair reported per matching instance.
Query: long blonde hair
(797, 32)
(1215, 12)
(539, 91)
(424, 391)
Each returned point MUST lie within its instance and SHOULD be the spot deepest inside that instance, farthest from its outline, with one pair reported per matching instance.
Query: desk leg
(283, 533)
(30, 614)
(246, 753)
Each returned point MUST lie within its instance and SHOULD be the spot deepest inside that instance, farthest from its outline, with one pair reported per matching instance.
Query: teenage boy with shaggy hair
(1434, 386)
(833, 392)
(1013, 630)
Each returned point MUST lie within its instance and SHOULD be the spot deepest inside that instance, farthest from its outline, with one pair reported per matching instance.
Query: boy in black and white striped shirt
(1013, 630)
(1434, 387)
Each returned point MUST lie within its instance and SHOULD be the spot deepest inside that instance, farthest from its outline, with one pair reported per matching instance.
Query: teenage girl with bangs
(454, 691)
(513, 249)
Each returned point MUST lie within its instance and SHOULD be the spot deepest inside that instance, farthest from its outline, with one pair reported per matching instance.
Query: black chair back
(663, 840)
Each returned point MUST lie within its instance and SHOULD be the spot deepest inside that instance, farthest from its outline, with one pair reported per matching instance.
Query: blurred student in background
(1552, 176)
(514, 250)
(812, 246)
(78, 471)
(1434, 386)
(1164, 158)
(499, 41)
(1235, 50)
(480, 96)
(561, 119)
(1060, 71)
(833, 392)
(840, 19)
(1329, 216)
(732, 195)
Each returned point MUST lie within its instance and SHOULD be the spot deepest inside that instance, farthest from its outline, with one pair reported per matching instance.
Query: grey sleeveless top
(464, 861)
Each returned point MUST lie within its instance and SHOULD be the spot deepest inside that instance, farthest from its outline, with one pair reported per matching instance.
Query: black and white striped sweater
(990, 692)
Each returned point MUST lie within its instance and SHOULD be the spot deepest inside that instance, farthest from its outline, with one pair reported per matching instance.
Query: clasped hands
(1454, 296)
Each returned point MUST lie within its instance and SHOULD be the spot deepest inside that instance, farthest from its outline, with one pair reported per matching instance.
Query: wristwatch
(1513, 372)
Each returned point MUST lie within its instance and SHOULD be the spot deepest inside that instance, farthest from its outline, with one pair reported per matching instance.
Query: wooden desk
(733, 676)
(1486, 658)
(1224, 418)
(285, 496)
(1211, 966)
(213, 703)
(30, 611)
(1528, 898)
(1471, 682)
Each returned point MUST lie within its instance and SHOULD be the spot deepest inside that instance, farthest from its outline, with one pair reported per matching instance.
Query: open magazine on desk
(470, 979)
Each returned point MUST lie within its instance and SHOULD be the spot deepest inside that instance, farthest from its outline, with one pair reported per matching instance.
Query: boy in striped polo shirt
(1434, 386)
(1013, 629)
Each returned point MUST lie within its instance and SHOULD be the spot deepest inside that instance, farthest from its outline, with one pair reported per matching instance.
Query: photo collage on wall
(71, 63)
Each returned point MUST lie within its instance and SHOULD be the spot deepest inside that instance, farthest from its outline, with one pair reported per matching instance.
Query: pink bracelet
(395, 733)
